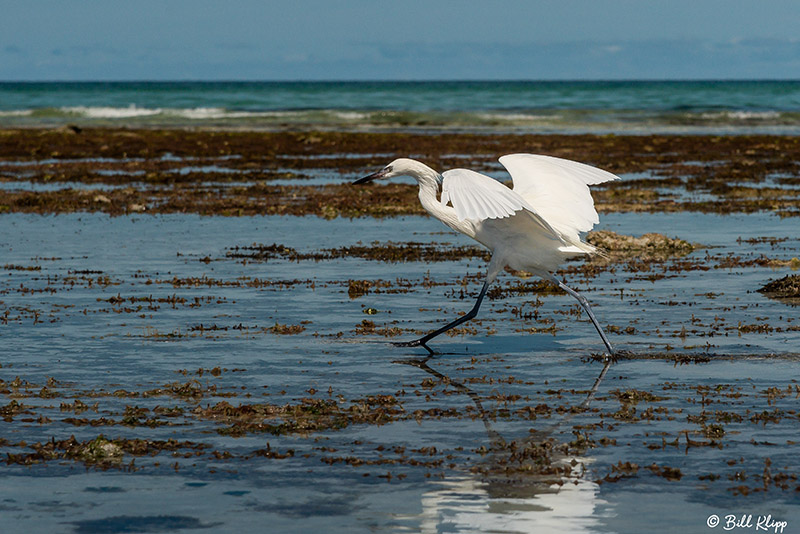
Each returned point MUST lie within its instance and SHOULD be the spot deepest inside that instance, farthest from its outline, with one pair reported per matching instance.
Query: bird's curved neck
(429, 198)
(429, 181)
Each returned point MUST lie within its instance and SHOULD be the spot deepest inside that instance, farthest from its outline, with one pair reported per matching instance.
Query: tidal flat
(197, 332)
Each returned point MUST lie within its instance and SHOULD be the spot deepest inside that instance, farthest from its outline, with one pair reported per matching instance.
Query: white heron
(533, 227)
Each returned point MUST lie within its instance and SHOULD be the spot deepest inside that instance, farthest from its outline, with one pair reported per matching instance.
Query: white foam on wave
(199, 113)
(282, 114)
(209, 113)
(133, 111)
(16, 113)
(515, 117)
(742, 115)
(351, 115)
(107, 112)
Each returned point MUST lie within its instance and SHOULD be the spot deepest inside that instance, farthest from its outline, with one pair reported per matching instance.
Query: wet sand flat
(197, 329)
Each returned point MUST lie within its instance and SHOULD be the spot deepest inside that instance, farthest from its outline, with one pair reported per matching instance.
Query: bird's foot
(615, 355)
(415, 343)
(607, 357)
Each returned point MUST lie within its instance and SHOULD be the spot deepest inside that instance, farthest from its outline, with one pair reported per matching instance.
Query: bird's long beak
(374, 176)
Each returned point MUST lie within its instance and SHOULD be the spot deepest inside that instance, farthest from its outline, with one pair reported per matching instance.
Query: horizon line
(408, 80)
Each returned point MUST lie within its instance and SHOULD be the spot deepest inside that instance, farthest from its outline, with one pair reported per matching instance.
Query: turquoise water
(726, 107)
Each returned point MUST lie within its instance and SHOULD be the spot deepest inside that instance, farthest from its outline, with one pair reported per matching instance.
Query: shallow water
(111, 309)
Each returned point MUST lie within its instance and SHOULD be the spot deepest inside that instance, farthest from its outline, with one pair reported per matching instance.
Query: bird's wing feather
(557, 189)
(479, 197)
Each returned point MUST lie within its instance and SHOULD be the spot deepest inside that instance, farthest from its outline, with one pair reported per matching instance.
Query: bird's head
(400, 167)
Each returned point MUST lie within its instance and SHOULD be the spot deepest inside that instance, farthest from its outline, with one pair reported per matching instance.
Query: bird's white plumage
(558, 190)
(533, 227)
(478, 197)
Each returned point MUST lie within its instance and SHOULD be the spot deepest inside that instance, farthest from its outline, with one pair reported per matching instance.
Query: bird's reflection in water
(534, 484)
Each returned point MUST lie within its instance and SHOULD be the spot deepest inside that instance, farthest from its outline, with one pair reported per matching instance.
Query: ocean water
(688, 107)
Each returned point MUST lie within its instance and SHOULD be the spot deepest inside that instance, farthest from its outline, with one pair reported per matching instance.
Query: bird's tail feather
(583, 248)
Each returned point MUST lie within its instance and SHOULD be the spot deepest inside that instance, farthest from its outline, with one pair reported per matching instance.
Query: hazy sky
(408, 39)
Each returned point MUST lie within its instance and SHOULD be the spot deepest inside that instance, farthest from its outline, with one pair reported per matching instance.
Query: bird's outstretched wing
(479, 197)
(558, 190)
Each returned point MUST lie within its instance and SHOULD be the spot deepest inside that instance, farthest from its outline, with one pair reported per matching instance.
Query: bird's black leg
(422, 342)
(585, 305)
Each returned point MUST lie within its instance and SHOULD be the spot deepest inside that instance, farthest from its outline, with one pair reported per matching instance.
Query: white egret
(533, 227)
